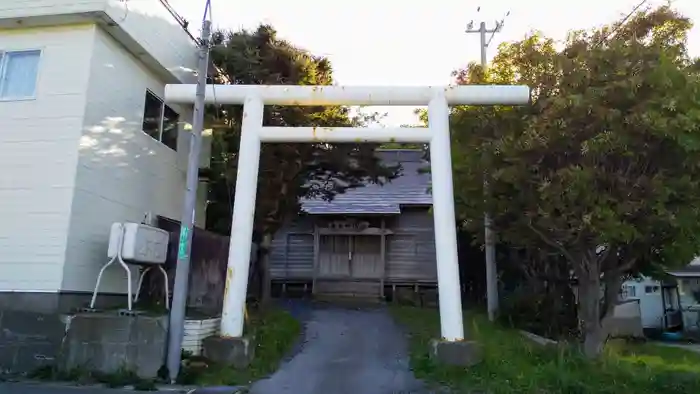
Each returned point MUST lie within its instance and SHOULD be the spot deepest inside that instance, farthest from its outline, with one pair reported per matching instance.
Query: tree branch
(626, 266)
(604, 256)
(551, 242)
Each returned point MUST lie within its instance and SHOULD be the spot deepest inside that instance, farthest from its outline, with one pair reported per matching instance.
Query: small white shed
(663, 305)
(689, 285)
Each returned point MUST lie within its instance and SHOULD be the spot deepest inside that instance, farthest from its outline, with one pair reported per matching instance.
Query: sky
(412, 42)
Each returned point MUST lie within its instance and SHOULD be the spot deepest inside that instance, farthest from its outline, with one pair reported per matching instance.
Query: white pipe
(352, 95)
(449, 295)
(232, 317)
(345, 134)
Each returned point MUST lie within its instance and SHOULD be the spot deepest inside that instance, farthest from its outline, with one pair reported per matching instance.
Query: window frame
(652, 289)
(628, 291)
(3, 64)
(161, 119)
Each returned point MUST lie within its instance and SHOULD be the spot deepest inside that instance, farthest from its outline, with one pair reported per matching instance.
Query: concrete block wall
(105, 342)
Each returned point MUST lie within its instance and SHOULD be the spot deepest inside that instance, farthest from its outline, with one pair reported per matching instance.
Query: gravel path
(346, 351)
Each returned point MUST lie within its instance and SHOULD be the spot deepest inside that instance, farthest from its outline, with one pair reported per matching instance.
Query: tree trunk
(589, 308)
(612, 283)
(266, 280)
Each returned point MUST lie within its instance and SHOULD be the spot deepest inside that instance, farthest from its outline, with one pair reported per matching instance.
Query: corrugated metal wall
(410, 250)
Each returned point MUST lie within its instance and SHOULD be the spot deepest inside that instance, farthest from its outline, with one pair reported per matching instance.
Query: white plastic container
(142, 244)
(195, 331)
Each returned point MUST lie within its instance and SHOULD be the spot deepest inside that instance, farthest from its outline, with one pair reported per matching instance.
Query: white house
(85, 139)
(656, 300)
(689, 288)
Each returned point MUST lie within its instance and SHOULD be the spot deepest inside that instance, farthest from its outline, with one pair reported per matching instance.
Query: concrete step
(370, 288)
(349, 300)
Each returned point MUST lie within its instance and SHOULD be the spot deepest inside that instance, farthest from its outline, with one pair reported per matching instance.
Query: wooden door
(366, 257)
(334, 256)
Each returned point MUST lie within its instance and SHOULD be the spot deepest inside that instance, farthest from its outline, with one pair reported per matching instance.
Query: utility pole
(489, 241)
(182, 270)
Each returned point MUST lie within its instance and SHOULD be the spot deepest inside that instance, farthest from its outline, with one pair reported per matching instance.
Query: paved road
(39, 388)
(25, 388)
(695, 348)
(346, 351)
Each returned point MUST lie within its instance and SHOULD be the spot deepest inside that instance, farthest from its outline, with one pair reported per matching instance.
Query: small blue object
(672, 336)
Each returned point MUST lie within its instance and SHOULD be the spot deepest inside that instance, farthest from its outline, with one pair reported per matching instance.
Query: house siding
(146, 26)
(292, 250)
(410, 251)
(38, 153)
(21, 8)
(122, 172)
(156, 31)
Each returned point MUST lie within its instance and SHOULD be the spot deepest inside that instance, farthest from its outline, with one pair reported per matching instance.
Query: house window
(160, 121)
(651, 289)
(628, 291)
(18, 74)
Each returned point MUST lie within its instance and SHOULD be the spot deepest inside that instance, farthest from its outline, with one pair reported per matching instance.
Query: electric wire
(209, 14)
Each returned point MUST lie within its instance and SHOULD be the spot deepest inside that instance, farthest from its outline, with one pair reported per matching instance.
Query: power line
(622, 23)
(180, 20)
(207, 11)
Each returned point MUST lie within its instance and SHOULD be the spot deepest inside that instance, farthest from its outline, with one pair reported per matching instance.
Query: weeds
(274, 330)
(513, 364)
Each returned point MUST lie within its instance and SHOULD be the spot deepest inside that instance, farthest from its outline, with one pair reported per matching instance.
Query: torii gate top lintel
(352, 95)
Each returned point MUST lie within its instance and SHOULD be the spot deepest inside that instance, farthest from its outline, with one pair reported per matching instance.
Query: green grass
(512, 364)
(275, 332)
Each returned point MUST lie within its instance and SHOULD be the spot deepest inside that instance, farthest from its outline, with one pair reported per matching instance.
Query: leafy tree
(287, 171)
(602, 168)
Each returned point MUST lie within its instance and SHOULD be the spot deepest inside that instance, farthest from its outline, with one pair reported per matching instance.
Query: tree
(602, 168)
(287, 171)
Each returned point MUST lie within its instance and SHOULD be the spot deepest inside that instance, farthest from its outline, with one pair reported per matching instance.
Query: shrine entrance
(437, 135)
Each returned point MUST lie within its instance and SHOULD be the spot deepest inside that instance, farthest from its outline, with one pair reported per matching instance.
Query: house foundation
(104, 342)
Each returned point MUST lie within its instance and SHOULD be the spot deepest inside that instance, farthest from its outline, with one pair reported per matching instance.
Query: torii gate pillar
(437, 134)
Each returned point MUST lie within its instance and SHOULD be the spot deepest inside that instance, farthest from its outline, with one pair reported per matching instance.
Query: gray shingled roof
(410, 188)
(690, 270)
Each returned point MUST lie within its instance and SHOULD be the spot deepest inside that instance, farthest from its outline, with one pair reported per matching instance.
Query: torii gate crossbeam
(437, 134)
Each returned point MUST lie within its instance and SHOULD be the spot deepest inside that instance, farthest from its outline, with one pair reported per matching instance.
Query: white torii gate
(437, 134)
